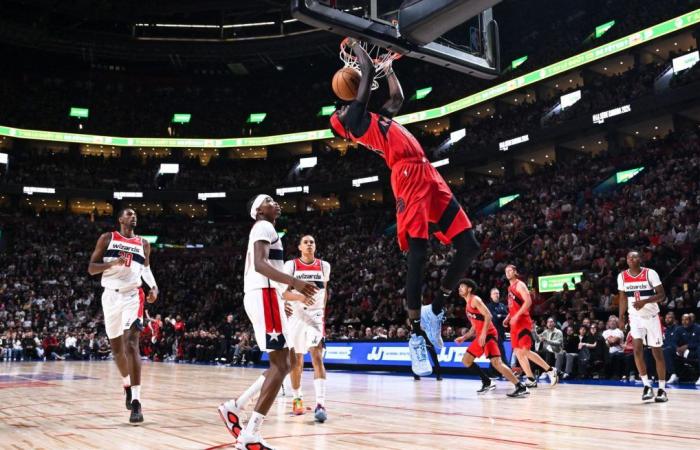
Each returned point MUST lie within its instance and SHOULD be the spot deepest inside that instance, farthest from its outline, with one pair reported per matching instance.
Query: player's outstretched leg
(119, 355)
(549, 370)
(467, 247)
(417, 255)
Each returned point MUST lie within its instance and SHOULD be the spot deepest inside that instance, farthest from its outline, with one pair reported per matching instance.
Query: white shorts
(648, 329)
(265, 310)
(306, 330)
(122, 310)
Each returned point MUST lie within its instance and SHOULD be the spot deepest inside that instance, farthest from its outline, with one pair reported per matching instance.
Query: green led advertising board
(555, 283)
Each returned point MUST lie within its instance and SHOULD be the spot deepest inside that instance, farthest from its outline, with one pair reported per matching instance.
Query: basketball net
(381, 58)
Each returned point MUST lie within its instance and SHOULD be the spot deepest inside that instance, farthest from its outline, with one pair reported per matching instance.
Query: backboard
(470, 47)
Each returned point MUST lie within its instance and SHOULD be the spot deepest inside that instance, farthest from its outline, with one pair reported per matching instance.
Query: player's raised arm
(366, 68)
(393, 105)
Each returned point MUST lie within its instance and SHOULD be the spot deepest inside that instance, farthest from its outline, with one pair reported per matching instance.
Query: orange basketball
(345, 83)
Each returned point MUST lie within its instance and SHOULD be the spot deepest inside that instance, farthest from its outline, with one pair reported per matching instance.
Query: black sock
(476, 369)
(531, 379)
(439, 302)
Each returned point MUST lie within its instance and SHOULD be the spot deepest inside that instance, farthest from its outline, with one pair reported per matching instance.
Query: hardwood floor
(75, 405)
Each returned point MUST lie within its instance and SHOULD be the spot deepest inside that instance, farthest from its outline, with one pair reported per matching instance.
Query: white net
(381, 58)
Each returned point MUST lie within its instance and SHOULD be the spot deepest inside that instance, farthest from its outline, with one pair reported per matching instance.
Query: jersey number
(128, 256)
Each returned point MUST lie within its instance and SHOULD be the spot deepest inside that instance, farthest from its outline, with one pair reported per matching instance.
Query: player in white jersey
(307, 324)
(123, 259)
(263, 283)
(640, 292)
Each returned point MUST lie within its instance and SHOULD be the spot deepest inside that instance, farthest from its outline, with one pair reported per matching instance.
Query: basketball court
(79, 405)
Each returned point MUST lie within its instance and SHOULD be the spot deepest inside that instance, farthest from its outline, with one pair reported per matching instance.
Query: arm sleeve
(620, 284)
(326, 271)
(653, 278)
(357, 119)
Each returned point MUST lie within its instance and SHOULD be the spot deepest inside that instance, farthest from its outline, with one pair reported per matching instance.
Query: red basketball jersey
(515, 301)
(477, 320)
(386, 137)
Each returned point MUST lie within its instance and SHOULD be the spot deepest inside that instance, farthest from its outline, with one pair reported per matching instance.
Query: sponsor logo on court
(338, 353)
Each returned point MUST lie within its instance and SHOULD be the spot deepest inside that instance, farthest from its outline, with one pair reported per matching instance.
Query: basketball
(346, 81)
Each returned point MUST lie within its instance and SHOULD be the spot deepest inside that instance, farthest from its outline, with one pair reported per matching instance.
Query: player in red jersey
(486, 341)
(520, 323)
(424, 202)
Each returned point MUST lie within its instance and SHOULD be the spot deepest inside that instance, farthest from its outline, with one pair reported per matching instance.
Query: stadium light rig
(30, 190)
(166, 168)
(291, 190)
(207, 195)
(307, 163)
(440, 163)
(122, 195)
(4, 158)
(357, 182)
(505, 145)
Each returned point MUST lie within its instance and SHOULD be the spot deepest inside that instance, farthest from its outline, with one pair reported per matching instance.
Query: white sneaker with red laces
(233, 417)
(252, 442)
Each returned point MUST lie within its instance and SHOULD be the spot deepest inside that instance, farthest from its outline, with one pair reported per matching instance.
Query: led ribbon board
(624, 43)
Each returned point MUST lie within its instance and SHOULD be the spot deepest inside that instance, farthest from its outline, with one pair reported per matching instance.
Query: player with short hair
(424, 202)
(485, 341)
(263, 281)
(307, 324)
(518, 318)
(640, 291)
(124, 259)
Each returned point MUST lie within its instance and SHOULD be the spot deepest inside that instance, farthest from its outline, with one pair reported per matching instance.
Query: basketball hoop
(381, 58)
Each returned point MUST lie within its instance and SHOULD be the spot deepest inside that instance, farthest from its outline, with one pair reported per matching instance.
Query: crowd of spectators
(138, 104)
(50, 308)
(131, 171)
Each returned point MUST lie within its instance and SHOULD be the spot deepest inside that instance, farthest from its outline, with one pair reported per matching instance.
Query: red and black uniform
(491, 345)
(521, 330)
(422, 196)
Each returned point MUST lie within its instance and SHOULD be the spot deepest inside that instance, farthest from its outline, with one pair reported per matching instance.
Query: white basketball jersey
(127, 276)
(318, 273)
(640, 287)
(263, 231)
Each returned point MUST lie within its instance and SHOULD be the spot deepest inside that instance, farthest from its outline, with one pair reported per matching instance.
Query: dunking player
(520, 323)
(307, 324)
(486, 341)
(124, 259)
(640, 292)
(423, 200)
(263, 281)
